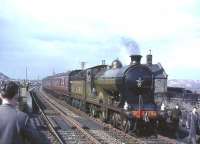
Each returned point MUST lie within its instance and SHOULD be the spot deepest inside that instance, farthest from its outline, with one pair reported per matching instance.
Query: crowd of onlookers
(177, 120)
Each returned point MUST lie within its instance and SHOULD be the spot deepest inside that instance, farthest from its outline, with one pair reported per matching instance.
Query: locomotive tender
(121, 95)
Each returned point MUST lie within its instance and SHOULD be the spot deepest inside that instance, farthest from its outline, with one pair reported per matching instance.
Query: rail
(67, 119)
(48, 122)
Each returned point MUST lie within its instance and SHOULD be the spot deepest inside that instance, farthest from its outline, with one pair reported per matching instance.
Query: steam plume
(131, 46)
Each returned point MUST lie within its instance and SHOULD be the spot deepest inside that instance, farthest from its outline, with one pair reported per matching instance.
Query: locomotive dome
(116, 64)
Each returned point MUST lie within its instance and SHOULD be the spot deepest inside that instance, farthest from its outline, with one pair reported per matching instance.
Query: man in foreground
(14, 125)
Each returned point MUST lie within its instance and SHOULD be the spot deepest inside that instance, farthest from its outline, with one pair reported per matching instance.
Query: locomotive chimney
(149, 58)
(135, 59)
(103, 62)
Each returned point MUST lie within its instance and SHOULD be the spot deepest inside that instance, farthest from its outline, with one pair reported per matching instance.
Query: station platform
(26, 104)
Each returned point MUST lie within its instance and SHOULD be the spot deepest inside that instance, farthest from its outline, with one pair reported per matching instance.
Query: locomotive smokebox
(135, 59)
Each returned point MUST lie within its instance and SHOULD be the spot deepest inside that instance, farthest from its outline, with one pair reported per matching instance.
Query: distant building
(175, 94)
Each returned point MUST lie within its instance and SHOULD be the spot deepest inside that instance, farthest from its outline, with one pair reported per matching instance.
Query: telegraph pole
(26, 75)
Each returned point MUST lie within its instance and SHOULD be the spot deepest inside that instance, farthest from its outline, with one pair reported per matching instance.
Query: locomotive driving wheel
(119, 121)
(103, 111)
(115, 120)
(125, 124)
(93, 111)
(103, 115)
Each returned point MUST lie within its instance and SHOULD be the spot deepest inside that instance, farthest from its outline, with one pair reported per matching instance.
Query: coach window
(59, 82)
(66, 80)
(63, 82)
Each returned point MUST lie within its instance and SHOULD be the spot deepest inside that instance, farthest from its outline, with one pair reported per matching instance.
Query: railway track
(95, 130)
(46, 122)
(41, 126)
(60, 131)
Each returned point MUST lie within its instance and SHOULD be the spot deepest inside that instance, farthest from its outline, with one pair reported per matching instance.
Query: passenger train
(124, 96)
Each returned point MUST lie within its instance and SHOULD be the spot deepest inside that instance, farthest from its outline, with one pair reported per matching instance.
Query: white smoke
(130, 45)
(127, 47)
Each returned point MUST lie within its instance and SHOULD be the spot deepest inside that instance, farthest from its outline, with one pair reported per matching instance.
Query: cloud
(62, 33)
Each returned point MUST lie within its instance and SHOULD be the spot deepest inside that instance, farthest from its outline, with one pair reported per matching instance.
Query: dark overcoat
(193, 123)
(14, 126)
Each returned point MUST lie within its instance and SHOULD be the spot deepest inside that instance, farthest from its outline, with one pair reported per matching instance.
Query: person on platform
(175, 117)
(15, 127)
(193, 125)
(161, 126)
(163, 112)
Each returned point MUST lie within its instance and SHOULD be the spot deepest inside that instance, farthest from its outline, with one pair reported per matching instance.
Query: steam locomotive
(121, 95)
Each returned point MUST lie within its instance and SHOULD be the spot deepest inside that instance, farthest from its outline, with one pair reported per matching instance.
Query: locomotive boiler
(121, 95)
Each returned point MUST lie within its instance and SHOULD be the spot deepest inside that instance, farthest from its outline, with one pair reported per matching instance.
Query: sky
(57, 35)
